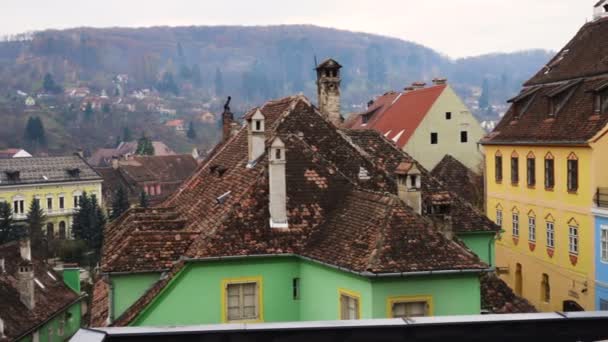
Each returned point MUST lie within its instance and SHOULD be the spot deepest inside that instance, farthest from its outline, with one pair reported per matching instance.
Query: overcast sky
(457, 28)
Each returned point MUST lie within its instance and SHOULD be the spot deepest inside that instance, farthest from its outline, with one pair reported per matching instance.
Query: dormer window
(600, 99)
(522, 102)
(258, 125)
(559, 96)
(13, 176)
(74, 172)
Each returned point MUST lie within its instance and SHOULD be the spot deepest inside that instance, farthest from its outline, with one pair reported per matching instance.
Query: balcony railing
(601, 197)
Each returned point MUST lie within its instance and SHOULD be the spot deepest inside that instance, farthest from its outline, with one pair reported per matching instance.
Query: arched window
(531, 169)
(572, 172)
(498, 166)
(573, 236)
(514, 168)
(62, 230)
(549, 171)
(531, 226)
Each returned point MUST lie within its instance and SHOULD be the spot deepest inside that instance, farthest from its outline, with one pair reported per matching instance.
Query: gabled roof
(38, 170)
(52, 298)
(458, 178)
(334, 217)
(397, 114)
(329, 64)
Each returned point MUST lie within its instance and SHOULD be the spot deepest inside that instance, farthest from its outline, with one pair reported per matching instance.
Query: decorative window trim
(531, 172)
(572, 179)
(352, 294)
(531, 228)
(603, 244)
(390, 301)
(243, 280)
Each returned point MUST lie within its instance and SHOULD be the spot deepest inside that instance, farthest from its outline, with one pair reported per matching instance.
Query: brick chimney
(227, 120)
(409, 185)
(25, 275)
(255, 135)
(278, 184)
(328, 90)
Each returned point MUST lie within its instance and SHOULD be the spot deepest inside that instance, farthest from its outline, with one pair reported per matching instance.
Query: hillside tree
(120, 203)
(191, 134)
(49, 85)
(88, 225)
(34, 131)
(144, 146)
(197, 79)
(35, 220)
(167, 84)
(88, 111)
(9, 230)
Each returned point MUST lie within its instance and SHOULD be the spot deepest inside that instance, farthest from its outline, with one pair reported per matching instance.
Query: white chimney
(278, 185)
(2, 334)
(256, 136)
(25, 249)
(409, 185)
(600, 10)
(2, 266)
(25, 284)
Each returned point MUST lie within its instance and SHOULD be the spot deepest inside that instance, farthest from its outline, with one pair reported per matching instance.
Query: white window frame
(240, 286)
(604, 243)
(573, 239)
(550, 234)
(499, 217)
(426, 304)
(532, 228)
(515, 224)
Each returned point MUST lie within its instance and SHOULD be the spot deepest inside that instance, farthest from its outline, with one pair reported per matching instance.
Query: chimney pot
(277, 184)
(440, 81)
(328, 90)
(418, 85)
(25, 249)
(256, 136)
(25, 284)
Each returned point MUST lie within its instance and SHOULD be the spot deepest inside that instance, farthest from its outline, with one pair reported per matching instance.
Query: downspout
(111, 302)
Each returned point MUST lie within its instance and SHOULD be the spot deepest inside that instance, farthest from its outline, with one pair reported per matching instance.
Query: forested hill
(251, 63)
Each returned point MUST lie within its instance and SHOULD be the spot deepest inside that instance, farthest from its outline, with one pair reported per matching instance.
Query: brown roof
(397, 115)
(53, 298)
(571, 78)
(35, 170)
(458, 178)
(103, 156)
(497, 297)
(334, 217)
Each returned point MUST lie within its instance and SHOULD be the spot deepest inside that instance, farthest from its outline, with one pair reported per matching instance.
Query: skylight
(39, 283)
(51, 275)
(222, 198)
(396, 137)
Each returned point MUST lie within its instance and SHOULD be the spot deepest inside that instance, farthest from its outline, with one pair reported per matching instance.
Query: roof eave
(576, 143)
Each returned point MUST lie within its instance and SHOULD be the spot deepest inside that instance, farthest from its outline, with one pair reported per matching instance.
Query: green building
(293, 219)
(37, 303)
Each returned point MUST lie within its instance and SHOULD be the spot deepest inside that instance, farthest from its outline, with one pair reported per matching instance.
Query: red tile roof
(334, 216)
(398, 114)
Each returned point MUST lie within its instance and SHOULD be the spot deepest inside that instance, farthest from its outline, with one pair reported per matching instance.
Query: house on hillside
(177, 125)
(37, 303)
(547, 180)
(283, 222)
(427, 122)
(57, 183)
(156, 176)
(104, 156)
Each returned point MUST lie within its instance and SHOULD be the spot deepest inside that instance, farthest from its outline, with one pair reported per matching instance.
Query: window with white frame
(410, 309)
(550, 235)
(532, 228)
(573, 239)
(242, 301)
(61, 202)
(18, 205)
(515, 224)
(604, 243)
(499, 217)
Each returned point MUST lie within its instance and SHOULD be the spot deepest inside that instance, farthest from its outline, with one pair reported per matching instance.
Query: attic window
(365, 118)
(258, 125)
(600, 100)
(522, 102)
(13, 175)
(74, 172)
(222, 198)
(560, 96)
(278, 154)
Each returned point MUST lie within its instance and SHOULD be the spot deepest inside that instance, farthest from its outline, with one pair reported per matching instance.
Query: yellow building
(544, 163)
(57, 182)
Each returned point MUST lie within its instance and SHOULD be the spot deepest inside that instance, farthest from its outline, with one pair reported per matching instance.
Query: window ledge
(573, 192)
(515, 184)
(531, 187)
(549, 189)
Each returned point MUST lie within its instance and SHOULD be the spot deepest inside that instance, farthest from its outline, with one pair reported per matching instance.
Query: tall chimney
(227, 120)
(278, 184)
(2, 266)
(409, 185)
(328, 90)
(255, 135)
(25, 275)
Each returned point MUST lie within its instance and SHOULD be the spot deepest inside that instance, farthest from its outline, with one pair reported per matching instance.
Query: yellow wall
(419, 146)
(567, 281)
(56, 215)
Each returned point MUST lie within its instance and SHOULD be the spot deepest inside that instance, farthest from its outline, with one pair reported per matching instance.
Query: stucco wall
(601, 267)
(482, 244)
(419, 146)
(568, 280)
(51, 330)
(128, 288)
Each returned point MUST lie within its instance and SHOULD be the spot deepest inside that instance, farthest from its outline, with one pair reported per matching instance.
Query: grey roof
(36, 170)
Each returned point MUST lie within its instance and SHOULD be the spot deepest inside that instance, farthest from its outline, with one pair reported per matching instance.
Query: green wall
(482, 243)
(50, 331)
(128, 288)
(450, 294)
(320, 296)
(195, 298)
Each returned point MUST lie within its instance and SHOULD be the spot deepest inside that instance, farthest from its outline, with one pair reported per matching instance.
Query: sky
(457, 28)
